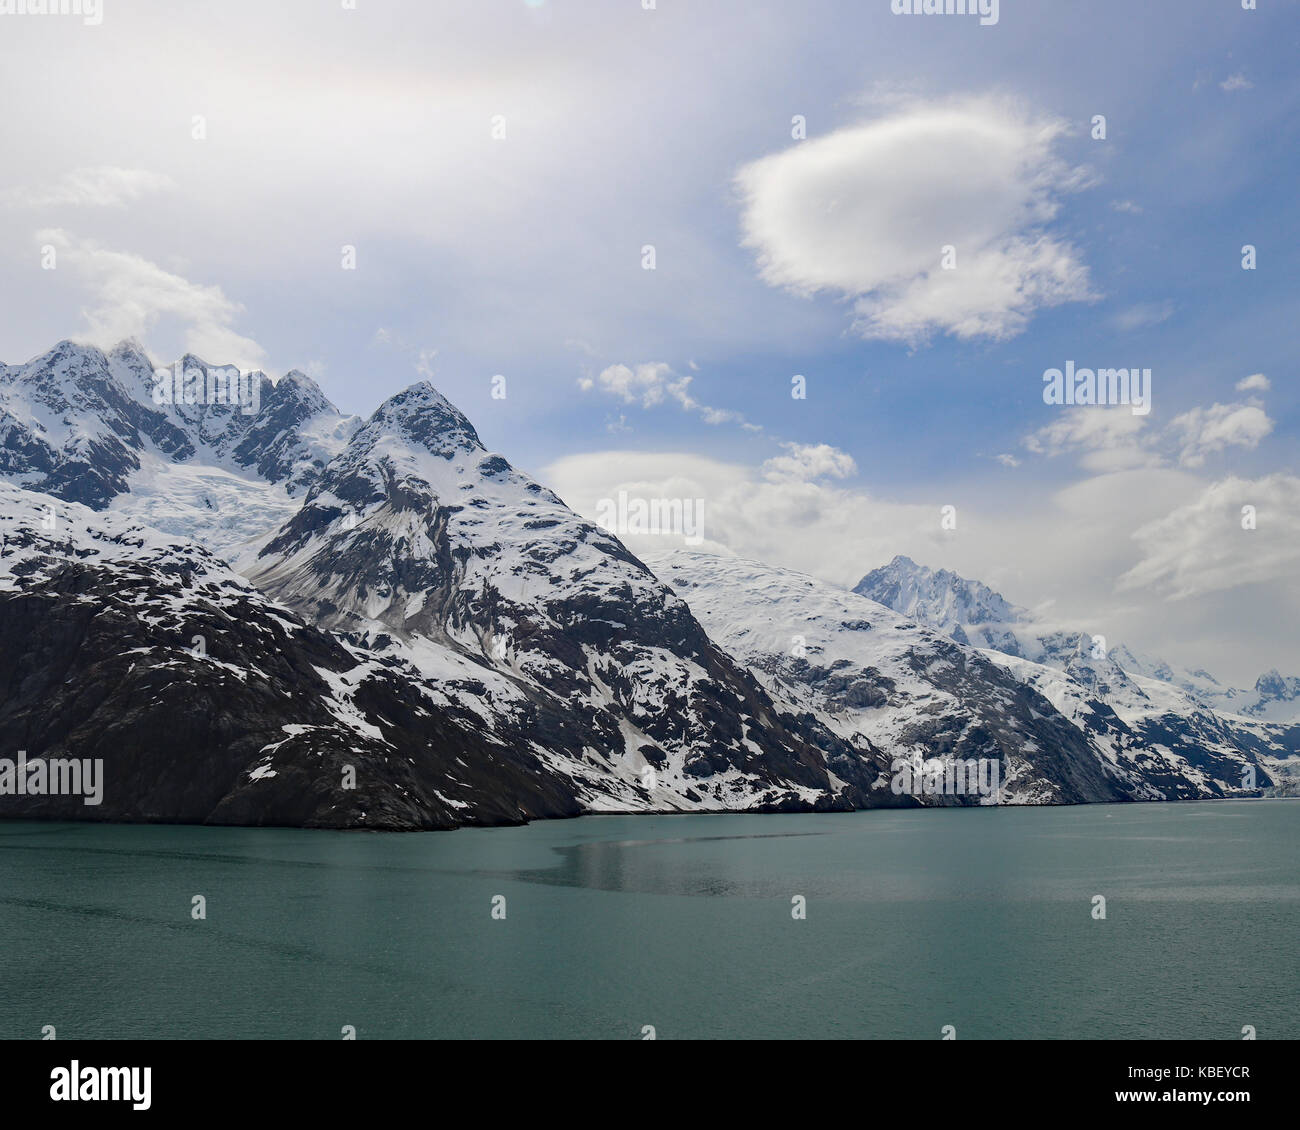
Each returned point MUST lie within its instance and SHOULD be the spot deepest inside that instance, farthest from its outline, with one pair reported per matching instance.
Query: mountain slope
(877, 678)
(417, 535)
(404, 602)
(86, 426)
(207, 703)
(939, 599)
(1156, 724)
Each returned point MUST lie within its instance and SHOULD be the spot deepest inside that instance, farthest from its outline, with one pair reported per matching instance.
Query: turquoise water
(976, 918)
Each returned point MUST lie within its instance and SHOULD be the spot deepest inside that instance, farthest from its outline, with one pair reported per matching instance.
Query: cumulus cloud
(1059, 548)
(797, 511)
(1204, 547)
(1207, 430)
(1104, 438)
(865, 212)
(654, 383)
(102, 186)
(649, 384)
(1110, 438)
(810, 461)
(130, 295)
(788, 511)
(1256, 382)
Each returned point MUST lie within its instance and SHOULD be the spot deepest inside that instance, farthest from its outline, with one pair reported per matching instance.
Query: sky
(918, 215)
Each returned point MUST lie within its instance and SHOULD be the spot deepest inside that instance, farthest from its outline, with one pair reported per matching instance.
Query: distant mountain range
(286, 615)
(970, 612)
(1202, 731)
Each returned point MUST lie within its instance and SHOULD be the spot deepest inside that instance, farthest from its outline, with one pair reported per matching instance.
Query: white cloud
(1007, 460)
(1126, 206)
(1207, 430)
(648, 384)
(1256, 382)
(810, 461)
(772, 513)
(655, 383)
(421, 357)
(1062, 549)
(131, 294)
(1069, 544)
(1111, 438)
(1143, 314)
(1236, 82)
(103, 186)
(865, 212)
(1202, 547)
(1105, 438)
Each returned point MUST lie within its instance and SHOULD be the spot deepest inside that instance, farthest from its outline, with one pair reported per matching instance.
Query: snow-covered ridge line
(1184, 728)
(970, 612)
(88, 426)
(403, 596)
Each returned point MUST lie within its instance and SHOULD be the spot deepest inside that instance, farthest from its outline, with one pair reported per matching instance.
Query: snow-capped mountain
(941, 600)
(535, 628)
(1278, 697)
(418, 541)
(388, 598)
(208, 703)
(890, 687)
(1180, 731)
(89, 427)
(970, 611)
(1273, 698)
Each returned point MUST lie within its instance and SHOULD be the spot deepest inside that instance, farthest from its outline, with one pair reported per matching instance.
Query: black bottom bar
(364, 1077)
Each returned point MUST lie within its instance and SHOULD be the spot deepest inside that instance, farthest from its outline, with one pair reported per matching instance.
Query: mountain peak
(64, 353)
(67, 345)
(192, 359)
(938, 598)
(298, 389)
(1273, 684)
(425, 418)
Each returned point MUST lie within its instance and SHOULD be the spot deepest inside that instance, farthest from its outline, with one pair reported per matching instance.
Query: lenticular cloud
(932, 218)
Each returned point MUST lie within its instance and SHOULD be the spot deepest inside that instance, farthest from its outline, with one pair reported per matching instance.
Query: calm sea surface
(977, 918)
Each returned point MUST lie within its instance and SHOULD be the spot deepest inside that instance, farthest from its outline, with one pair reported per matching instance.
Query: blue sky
(521, 255)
